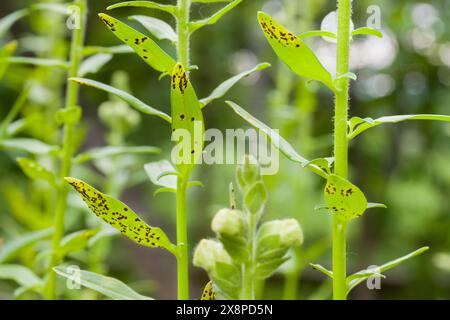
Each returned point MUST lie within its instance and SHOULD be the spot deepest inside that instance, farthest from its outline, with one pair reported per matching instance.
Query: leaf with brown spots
(145, 47)
(343, 198)
(187, 120)
(208, 292)
(293, 51)
(120, 216)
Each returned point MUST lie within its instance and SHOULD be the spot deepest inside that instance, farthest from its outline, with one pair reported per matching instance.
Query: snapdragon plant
(186, 118)
(344, 200)
(245, 250)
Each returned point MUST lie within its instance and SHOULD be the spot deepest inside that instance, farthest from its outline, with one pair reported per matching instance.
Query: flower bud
(288, 230)
(208, 252)
(228, 222)
(248, 172)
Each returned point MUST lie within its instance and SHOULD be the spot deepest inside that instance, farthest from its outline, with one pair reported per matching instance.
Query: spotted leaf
(145, 47)
(187, 120)
(120, 216)
(208, 292)
(343, 198)
(293, 51)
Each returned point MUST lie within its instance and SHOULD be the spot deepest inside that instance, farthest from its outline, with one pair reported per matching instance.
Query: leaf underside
(208, 292)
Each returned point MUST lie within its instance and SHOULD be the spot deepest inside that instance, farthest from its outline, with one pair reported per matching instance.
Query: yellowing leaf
(187, 120)
(343, 198)
(145, 47)
(120, 216)
(293, 51)
(208, 292)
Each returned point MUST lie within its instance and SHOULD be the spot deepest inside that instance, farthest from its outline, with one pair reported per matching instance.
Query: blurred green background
(405, 166)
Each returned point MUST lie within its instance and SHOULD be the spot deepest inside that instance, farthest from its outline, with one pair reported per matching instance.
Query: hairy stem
(248, 277)
(67, 148)
(182, 241)
(341, 144)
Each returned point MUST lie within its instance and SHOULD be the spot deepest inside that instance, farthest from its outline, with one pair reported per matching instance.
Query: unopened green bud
(289, 231)
(208, 252)
(228, 222)
(248, 172)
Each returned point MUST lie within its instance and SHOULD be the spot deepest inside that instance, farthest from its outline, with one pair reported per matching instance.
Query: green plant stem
(182, 240)
(248, 279)
(341, 145)
(183, 32)
(183, 15)
(76, 47)
(15, 110)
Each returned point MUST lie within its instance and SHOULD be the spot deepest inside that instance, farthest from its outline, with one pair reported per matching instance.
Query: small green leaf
(94, 63)
(358, 277)
(360, 125)
(278, 142)
(208, 292)
(324, 163)
(70, 115)
(108, 286)
(35, 171)
(367, 31)
(255, 198)
(159, 28)
(20, 274)
(344, 199)
(316, 33)
(76, 241)
(54, 7)
(120, 216)
(225, 86)
(266, 269)
(7, 21)
(195, 25)
(91, 50)
(145, 47)
(322, 269)
(112, 151)
(52, 63)
(28, 145)
(293, 51)
(144, 4)
(13, 248)
(128, 98)
(164, 190)
(154, 171)
(187, 120)
(371, 205)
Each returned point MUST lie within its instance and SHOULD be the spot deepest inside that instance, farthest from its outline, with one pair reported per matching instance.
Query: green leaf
(120, 216)
(322, 269)
(55, 7)
(277, 141)
(35, 171)
(159, 28)
(7, 21)
(195, 25)
(113, 151)
(208, 292)
(155, 170)
(344, 199)
(52, 63)
(358, 277)
(316, 33)
(255, 198)
(14, 247)
(293, 51)
(94, 63)
(367, 31)
(324, 163)
(266, 269)
(6, 52)
(227, 279)
(70, 115)
(128, 98)
(225, 86)
(145, 47)
(76, 241)
(371, 205)
(91, 50)
(20, 274)
(28, 145)
(144, 4)
(359, 125)
(108, 286)
(187, 119)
